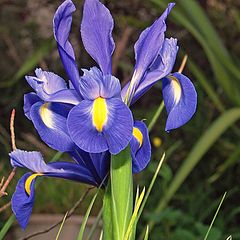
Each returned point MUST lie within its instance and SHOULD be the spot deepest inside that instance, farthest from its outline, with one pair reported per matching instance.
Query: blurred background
(202, 158)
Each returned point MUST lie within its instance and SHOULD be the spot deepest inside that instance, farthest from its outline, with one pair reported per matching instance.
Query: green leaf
(84, 222)
(95, 225)
(134, 216)
(6, 226)
(146, 233)
(233, 158)
(60, 229)
(204, 81)
(121, 192)
(201, 147)
(156, 116)
(215, 216)
(107, 214)
(151, 185)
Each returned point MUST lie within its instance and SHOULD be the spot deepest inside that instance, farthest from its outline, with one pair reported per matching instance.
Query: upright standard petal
(61, 27)
(148, 46)
(161, 67)
(50, 121)
(180, 99)
(96, 32)
(101, 125)
(94, 84)
(140, 147)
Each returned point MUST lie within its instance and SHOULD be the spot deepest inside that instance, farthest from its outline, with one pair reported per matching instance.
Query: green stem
(156, 116)
(121, 193)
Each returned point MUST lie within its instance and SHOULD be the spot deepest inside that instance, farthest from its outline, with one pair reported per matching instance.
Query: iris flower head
(89, 115)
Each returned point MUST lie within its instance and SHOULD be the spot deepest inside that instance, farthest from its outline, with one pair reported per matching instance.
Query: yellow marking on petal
(99, 113)
(157, 142)
(138, 135)
(29, 181)
(46, 115)
(176, 89)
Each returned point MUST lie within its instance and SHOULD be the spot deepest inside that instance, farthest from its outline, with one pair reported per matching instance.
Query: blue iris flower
(89, 117)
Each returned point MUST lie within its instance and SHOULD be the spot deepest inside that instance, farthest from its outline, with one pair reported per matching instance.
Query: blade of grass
(233, 158)
(134, 216)
(60, 229)
(199, 18)
(203, 80)
(156, 116)
(149, 190)
(151, 185)
(215, 216)
(84, 222)
(146, 233)
(7, 226)
(95, 225)
(203, 144)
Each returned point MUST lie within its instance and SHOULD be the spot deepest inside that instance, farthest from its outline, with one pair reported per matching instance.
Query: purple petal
(29, 100)
(118, 130)
(149, 44)
(160, 68)
(96, 32)
(22, 203)
(114, 133)
(82, 131)
(72, 171)
(52, 88)
(61, 26)
(140, 147)
(180, 99)
(94, 84)
(50, 121)
(101, 162)
(23, 198)
(31, 160)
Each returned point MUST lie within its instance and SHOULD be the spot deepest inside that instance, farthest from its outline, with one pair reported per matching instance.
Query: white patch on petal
(177, 90)
(47, 115)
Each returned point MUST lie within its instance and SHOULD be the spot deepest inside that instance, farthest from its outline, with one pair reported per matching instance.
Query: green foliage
(121, 200)
(84, 222)
(7, 226)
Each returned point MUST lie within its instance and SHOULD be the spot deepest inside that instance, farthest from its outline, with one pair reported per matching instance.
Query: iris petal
(82, 131)
(115, 133)
(29, 100)
(50, 121)
(140, 147)
(61, 26)
(180, 99)
(118, 130)
(94, 84)
(161, 67)
(52, 88)
(31, 160)
(96, 32)
(23, 197)
(22, 203)
(149, 44)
